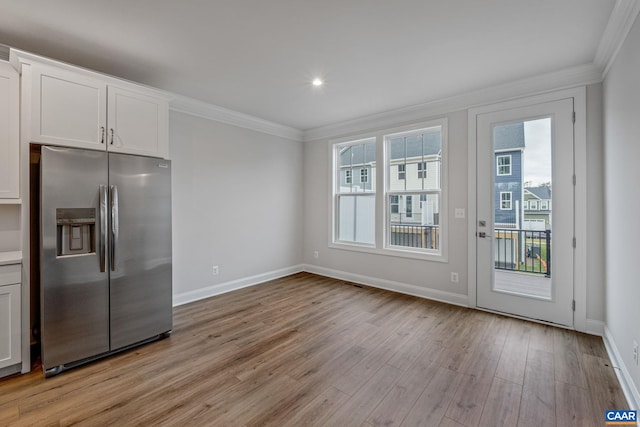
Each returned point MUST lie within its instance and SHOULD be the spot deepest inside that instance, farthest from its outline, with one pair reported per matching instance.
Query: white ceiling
(258, 57)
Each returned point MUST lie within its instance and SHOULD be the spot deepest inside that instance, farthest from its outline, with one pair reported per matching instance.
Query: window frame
(498, 165)
(364, 173)
(422, 170)
(361, 192)
(381, 178)
(402, 174)
(501, 201)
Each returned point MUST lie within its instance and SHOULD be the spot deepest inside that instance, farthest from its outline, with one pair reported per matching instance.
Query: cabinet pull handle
(111, 136)
(101, 134)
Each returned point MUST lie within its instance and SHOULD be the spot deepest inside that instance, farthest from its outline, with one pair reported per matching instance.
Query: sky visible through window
(537, 153)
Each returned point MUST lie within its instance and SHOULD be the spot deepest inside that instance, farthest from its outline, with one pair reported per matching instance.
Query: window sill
(393, 252)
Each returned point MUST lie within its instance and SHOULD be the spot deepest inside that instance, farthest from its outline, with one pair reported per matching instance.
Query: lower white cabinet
(10, 330)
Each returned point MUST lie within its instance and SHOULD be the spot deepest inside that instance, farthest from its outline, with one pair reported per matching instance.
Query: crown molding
(194, 107)
(563, 79)
(622, 17)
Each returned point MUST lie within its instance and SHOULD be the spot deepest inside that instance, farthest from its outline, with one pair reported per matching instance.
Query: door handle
(483, 235)
(115, 228)
(102, 250)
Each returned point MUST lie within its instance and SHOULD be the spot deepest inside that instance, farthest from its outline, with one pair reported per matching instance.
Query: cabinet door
(9, 125)
(10, 350)
(138, 123)
(68, 108)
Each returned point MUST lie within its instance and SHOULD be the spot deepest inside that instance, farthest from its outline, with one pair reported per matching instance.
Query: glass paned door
(525, 211)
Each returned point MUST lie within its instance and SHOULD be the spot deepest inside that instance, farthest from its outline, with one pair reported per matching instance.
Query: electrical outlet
(635, 352)
(316, 254)
(455, 278)
(459, 213)
(215, 270)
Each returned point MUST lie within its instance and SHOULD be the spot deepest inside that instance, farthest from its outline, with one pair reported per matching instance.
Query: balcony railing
(526, 251)
(415, 236)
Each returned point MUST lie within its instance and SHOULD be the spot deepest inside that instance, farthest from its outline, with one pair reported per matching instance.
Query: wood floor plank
(538, 404)
(357, 408)
(311, 350)
(406, 391)
(573, 407)
(514, 354)
(502, 405)
(471, 395)
(430, 407)
(566, 359)
(604, 388)
(316, 412)
(541, 338)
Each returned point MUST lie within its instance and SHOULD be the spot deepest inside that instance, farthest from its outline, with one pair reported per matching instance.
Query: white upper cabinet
(67, 108)
(9, 132)
(138, 123)
(78, 108)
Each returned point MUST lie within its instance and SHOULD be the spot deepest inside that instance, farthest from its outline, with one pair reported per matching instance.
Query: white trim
(621, 20)
(403, 288)
(194, 107)
(626, 382)
(233, 285)
(510, 193)
(540, 84)
(498, 157)
(580, 137)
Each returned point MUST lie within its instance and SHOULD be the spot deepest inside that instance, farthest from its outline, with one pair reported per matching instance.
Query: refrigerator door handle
(114, 225)
(102, 250)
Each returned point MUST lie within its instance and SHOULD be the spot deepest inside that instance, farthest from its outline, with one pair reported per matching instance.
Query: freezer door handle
(102, 250)
(114, 225)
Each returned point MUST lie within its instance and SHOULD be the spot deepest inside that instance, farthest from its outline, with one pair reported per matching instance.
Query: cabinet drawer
(10, 274)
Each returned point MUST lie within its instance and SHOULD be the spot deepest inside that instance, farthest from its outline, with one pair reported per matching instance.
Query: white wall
(9, 228)
(237, 203)
(595, 205)
(432, 279)
(622, 224)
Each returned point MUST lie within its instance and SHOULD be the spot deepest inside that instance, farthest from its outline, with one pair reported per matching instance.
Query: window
(504, 165)
(505, 200)
(355, 204)
(422, 170)
(544, 205)
(525, 205)
(402, 171)
(395, 205)
(364, 175)
(418, 229)
(533, 205)
(407, 215)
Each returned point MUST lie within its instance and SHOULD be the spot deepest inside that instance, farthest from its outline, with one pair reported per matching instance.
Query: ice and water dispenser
(76, 228)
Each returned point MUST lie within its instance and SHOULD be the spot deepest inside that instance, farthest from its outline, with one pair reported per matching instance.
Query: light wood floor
(308, 350)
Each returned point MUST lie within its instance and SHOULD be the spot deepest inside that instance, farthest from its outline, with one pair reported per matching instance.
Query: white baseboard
(595, 327)
(221, 288)
(404, 288)
(626, 382)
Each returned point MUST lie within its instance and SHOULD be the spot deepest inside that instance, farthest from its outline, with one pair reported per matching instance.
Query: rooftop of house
(542, 192)
(509, 136)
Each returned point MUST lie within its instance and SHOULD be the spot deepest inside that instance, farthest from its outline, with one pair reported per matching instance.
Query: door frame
(580, 210)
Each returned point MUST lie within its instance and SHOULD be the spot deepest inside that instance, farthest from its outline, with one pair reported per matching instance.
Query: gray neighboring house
(537, 207)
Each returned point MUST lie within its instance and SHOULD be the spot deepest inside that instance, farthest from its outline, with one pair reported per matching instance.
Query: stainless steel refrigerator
(105, 260)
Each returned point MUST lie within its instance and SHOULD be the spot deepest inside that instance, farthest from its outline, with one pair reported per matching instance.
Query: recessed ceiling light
(317, 82)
